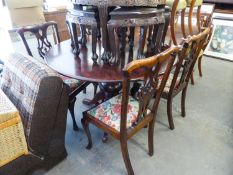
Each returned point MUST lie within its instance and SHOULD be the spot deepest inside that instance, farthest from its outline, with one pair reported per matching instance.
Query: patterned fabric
(109, 112)
(181, 4)
(169, 82)
(72, 83)
(21, 81)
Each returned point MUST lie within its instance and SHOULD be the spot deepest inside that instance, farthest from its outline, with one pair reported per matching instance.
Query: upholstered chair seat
(109, 112)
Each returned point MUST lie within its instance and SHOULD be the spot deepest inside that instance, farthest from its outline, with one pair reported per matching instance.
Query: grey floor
(201, 144)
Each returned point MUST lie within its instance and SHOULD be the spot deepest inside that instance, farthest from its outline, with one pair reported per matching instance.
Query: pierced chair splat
(123, 116)
(41, 33)
(183, 68)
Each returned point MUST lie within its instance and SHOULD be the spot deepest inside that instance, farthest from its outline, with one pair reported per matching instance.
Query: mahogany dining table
(108, 75)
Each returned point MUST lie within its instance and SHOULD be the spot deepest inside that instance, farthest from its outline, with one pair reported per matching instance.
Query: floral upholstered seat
(71, 82)
(109, 112)
(169, 82)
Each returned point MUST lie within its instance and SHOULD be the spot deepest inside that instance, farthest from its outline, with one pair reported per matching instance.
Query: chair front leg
(71, 109)
(125, 154)
(199, 66)
(169, 113)
(85, 124)
(151, 137)
(183, 96)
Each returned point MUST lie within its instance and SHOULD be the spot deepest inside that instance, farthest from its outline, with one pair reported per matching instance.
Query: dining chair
(192, 4)
(122, 116)
(183, 68)
(200, 56)
(177, 7)
(41, 33)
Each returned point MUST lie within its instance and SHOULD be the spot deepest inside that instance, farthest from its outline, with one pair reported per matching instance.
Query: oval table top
(151, 3)
(81, 67)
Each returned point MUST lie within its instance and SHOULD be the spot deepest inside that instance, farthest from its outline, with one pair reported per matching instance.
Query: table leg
(103, 16)
(167, 21)
(75, 39)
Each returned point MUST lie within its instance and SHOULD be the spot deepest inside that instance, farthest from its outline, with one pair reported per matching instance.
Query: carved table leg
(75, 39)
(167, 21)
(83, 39)
(103, 16)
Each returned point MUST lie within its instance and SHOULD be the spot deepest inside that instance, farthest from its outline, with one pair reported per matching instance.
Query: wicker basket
(12, 138)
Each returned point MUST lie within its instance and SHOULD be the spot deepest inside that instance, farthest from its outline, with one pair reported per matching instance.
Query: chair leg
(71, 109)
(125, 154)
(199, 66)
(151, 137)
(95, 88)
(192, 78)
(87, 131)
(183, 96)
(169, 113)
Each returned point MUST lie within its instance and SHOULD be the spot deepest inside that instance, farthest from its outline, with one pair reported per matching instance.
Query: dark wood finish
(173, 21)
(152, 67)
(40, 32)
(145, 18)
(184, 68)
(204, 47)
(61, 58)
(103, 8)
(84, 18)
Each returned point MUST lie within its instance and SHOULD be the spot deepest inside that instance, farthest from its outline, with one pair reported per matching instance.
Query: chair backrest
(150, 70)
(41, 33)
(192, 4)
(187, 59)
(177, 6)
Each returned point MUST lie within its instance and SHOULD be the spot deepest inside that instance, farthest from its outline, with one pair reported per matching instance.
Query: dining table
(103, 9)
(108, 75)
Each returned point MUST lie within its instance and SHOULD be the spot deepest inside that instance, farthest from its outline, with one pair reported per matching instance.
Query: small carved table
(103, 7)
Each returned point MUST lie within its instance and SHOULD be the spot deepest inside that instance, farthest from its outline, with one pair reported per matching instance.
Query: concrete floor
(201, 144)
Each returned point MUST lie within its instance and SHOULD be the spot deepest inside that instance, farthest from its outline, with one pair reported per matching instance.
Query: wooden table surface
(61, 59)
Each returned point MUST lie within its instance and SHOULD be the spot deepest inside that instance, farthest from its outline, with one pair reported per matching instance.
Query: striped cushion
(21, 80)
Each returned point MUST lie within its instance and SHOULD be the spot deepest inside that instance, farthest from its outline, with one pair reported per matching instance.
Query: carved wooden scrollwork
(81, 19)
(137, 21)
(151, 3)
(147, 91)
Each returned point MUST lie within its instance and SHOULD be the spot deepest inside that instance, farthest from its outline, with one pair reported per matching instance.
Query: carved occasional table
(103, 8)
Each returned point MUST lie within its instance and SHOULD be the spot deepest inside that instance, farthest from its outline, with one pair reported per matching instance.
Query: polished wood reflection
(61, 58)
